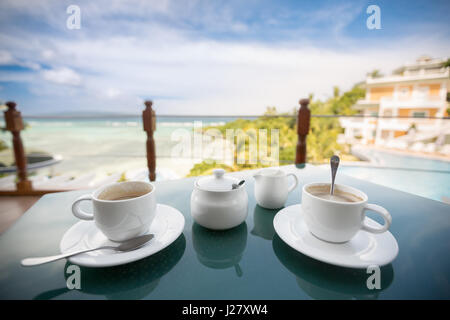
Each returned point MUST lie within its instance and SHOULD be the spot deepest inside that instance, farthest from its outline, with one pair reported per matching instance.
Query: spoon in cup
(334, 163)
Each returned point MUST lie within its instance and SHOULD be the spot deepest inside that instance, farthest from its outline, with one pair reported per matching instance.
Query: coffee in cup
(323, 192)
(338, 217)
(121, 210)
(121, 194)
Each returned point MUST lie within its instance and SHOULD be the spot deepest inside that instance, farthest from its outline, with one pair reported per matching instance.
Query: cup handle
(76, 210)
(294, 185)
(383, 212)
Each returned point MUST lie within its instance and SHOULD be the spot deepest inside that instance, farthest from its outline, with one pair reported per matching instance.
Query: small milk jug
(272, 189)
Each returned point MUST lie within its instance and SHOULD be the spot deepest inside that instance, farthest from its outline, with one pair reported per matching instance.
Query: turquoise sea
(107, 145)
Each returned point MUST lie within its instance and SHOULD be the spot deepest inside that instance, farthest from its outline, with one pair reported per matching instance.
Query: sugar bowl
(219, 201)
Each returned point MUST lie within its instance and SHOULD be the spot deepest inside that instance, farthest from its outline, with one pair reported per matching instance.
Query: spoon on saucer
(334, 163)
(125, 246)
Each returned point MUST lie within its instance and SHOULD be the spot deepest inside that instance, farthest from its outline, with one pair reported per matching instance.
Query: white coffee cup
(337, 221)
(120, 219)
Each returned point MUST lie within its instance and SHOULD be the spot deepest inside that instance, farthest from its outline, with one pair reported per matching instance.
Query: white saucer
(363, 250)
(167, 226)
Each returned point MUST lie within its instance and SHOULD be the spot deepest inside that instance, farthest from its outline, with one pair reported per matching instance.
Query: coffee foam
(319, 190)
(124, 189)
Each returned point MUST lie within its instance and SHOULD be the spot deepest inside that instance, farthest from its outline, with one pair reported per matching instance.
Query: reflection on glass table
(324, 281)
(220, 249)
(263, 222)
(130, 281)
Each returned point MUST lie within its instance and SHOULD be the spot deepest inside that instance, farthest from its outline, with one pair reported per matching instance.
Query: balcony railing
(14, 124)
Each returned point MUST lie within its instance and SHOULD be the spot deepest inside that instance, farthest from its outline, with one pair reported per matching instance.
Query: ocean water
(107, 145)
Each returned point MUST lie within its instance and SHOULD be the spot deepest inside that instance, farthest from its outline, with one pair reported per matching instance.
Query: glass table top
(246, 262)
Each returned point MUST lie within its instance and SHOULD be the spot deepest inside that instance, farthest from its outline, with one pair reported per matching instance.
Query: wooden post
(149, 120)
(303, 119)
(14, 123)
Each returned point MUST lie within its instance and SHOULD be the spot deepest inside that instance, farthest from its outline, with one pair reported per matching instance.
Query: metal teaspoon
(334, 163)
(125, 246)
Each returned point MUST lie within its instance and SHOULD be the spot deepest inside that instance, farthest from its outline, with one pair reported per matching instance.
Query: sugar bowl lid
(217, 182)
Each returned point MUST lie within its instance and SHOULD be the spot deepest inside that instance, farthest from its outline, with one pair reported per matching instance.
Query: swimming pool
(421, 176)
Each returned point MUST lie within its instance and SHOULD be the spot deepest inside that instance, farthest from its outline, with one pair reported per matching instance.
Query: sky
(204, 56)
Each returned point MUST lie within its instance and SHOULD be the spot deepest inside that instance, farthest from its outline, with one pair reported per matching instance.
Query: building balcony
(363, 103)
(426, 102)
(405, 124)
(420, 76)
(358, 123)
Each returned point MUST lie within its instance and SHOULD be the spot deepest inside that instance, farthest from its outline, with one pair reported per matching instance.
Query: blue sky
(204, 57)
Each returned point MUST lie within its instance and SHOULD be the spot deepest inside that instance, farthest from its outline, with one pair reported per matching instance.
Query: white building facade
(412, 93)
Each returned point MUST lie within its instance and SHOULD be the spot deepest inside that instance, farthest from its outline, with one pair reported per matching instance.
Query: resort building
(417, 90)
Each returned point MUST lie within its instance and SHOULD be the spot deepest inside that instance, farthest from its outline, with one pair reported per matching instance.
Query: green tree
(321, 141)
(375, 74)
(447, 63)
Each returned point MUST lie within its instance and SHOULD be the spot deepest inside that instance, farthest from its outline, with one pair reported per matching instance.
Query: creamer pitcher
(272, 189)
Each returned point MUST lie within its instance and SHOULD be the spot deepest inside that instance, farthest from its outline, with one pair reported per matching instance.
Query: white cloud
(112, 93)
(48, 54)
(63, 75)
(188, 76)
(5, 57)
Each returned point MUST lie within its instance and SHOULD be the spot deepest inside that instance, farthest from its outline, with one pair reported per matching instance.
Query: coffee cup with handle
(338, 217)
(122, 210)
